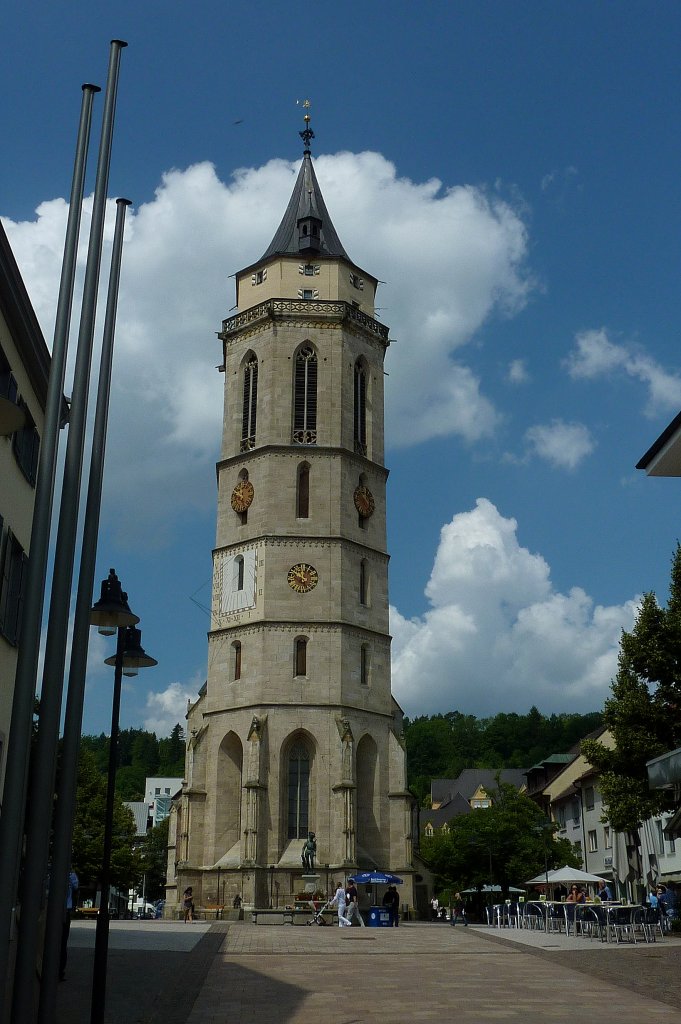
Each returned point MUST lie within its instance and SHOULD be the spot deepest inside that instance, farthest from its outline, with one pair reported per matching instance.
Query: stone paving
(243, 974)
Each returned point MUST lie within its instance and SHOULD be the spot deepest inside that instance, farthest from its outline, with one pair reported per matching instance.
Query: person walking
(188, 904)
(71, 890)
(459, 910)
(339, 900)
(351, 898)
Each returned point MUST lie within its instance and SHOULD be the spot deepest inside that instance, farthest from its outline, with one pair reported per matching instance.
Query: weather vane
(307, 134)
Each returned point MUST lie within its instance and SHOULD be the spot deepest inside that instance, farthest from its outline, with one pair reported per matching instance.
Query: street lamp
(544, 829)
(112, 614)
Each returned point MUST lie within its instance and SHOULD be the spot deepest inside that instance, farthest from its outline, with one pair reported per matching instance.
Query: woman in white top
(339, 900)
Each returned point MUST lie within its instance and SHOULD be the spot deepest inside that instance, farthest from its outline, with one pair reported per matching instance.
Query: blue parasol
(376, 878)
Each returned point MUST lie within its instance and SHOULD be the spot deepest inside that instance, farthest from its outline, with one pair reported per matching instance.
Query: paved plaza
(170, 973)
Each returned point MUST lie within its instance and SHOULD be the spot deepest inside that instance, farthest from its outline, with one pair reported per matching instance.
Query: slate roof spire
(306, 226)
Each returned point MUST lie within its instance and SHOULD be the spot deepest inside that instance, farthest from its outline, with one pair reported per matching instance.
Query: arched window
(364, 582)
(305, 397)
(236, 659)
(300, 656)
(360, 408)
(298, 791)
(303, 492)
(250, 403)
(364, 666)
(239, 572)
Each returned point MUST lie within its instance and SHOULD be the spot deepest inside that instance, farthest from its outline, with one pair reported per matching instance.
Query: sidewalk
(247, 974)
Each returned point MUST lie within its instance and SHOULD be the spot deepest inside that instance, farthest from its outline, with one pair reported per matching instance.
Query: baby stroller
(318, 913)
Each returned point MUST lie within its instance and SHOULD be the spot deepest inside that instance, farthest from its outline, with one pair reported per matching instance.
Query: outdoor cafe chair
(592, 922)
(623, 922)
(533, 917)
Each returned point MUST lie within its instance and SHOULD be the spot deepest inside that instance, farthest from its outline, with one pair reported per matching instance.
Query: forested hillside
(141, 755)
(441, 746)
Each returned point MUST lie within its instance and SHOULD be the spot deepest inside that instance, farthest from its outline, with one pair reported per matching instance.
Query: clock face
(302, 577)
(364, 501)
(242, 495)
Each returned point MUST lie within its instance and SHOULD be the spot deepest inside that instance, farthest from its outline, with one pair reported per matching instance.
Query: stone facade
(296, 729)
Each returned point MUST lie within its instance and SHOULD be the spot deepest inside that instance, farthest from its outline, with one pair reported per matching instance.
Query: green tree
(644, 712)
(155, 860)
(88, 830)
(506, 843)
(171, 753)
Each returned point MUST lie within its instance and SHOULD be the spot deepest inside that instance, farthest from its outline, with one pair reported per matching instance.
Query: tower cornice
(298, 451)
(311, 312)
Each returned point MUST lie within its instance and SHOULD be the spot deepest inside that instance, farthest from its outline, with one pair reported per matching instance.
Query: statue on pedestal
(309, 852)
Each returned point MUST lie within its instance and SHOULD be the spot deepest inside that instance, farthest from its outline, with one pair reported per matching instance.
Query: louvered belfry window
(360, 409)
(250, 403)
(305, 397)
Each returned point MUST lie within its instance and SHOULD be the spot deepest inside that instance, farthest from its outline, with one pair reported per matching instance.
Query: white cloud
(498, 636)
(168, 707)
(451, 257)
(564, 445)
(595, 355)
(517, 372)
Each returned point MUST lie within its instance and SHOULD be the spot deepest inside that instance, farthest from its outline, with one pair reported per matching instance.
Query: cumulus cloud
(451, 258)
(498, 636)
(517, 372)
(595, 355)
(562, 444)
(166, 708)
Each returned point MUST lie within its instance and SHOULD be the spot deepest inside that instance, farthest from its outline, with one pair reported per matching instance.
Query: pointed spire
(306, 226)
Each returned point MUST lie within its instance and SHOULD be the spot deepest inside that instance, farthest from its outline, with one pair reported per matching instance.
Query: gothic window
(303, 492)
(298, 791)
(360, 408)
(305, 397)
(364, 665)
(300, 656)
(250, 402)
(236, 659)
(364, 582)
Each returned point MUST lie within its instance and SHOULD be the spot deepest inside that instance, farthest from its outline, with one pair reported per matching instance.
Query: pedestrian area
(240, 973)
(424, 972)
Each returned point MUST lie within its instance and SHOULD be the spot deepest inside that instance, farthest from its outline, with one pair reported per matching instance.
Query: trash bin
(378, 917)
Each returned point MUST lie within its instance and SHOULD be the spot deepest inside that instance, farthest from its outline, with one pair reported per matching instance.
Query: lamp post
(129, 657)
(543, 829)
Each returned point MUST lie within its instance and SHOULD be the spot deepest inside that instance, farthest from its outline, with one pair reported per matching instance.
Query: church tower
(296, 729)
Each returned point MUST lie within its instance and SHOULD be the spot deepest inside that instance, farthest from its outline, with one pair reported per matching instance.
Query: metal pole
(41, 797)
(18, 751)
(102, 933)
(66, 792)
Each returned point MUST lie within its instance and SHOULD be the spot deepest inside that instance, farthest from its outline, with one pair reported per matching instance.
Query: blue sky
(510, 170)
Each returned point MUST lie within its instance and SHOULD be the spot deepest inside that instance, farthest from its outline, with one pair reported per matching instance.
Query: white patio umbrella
(561, 876)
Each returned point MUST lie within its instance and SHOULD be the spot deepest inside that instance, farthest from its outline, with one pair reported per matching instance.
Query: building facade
(296, 729)
(24, 372)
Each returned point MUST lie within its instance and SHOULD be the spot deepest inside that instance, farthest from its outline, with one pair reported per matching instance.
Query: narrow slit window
(303, 492)
(236, 660)
(300, 668)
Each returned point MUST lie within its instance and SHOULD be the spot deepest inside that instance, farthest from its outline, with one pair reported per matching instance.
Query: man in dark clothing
(351, 901)
(391, 900)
